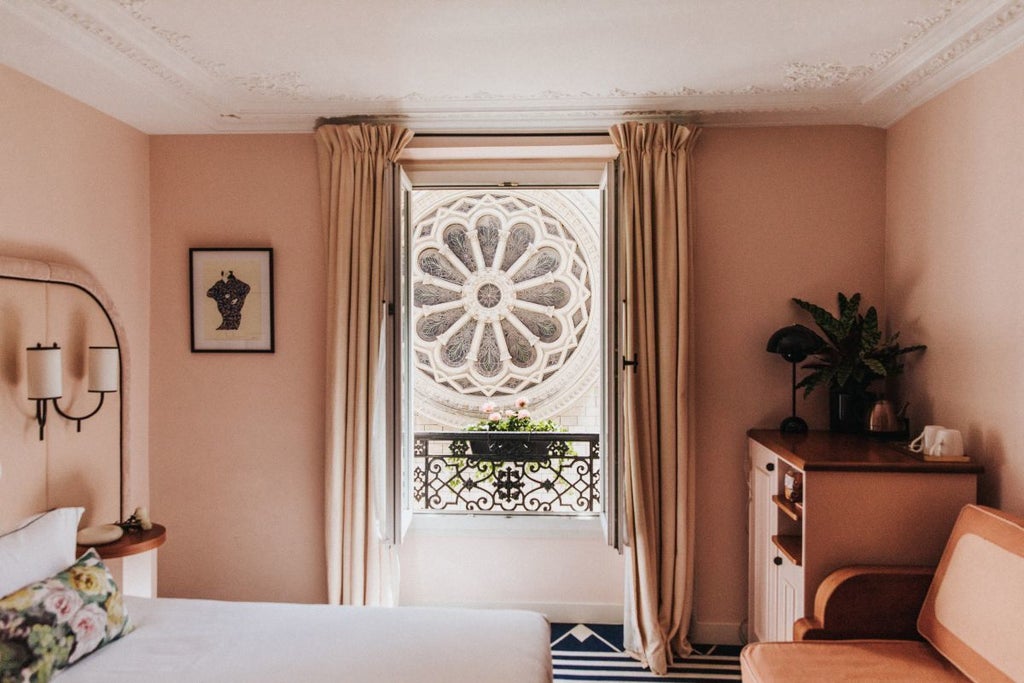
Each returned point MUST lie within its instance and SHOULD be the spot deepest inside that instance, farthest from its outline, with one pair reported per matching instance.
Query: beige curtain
(658, 452)
(357, 166)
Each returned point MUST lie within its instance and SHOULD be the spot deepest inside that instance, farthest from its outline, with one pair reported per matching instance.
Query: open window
(505, 289)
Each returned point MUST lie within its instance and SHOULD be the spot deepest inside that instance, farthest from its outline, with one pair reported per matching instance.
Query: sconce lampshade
(43, 376)
(103, 369)
(43, 370)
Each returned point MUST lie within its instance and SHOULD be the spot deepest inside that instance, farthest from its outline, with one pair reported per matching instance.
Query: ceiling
(205, 66)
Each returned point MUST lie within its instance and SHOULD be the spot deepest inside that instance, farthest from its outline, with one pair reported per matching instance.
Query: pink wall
(954, 243)
(237, 438)
(779, 212)
(74, 189)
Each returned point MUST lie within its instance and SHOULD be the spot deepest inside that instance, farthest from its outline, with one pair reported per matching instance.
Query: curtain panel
(658, 434)
(356, 166)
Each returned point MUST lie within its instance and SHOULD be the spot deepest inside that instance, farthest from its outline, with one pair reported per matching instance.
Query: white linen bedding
(205, 640)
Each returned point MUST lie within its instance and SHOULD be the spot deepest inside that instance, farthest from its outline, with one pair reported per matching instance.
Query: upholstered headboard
(46, 303)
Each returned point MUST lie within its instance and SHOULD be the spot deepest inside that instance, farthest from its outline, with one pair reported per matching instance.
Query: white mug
(948, 442)
(926, 440)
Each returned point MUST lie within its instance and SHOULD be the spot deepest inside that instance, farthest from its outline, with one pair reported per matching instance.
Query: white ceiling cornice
(186, 66)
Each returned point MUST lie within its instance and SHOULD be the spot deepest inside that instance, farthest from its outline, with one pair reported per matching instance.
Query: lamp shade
(43, 370)
(103, 368)
(795, 343)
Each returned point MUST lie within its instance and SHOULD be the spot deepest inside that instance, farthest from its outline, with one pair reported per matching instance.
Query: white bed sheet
(204, 640)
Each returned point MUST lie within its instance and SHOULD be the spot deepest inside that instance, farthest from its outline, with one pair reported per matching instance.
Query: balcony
(504, 473)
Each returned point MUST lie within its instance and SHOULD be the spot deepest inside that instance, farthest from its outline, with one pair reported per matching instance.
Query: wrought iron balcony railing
(507, 472)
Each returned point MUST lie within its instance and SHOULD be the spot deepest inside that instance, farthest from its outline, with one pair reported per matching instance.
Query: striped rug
(593, 652)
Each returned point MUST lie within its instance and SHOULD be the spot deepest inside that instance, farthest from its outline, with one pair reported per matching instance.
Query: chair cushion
(845, 660)
(974, 611)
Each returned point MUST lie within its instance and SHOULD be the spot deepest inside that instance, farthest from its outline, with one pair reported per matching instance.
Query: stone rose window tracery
(503, 299)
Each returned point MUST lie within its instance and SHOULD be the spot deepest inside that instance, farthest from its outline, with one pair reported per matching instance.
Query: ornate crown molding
(1004, 18)
(171, 80)
(797, 76)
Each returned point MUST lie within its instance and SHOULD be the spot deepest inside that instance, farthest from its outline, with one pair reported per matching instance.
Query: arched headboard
(45, 303)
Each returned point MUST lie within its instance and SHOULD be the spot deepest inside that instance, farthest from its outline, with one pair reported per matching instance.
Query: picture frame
(231, 299)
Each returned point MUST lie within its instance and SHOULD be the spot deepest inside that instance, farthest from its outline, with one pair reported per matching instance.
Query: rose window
(502, 296)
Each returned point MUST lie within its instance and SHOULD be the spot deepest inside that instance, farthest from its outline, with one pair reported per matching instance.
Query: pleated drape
(357, 165)
(658, 435)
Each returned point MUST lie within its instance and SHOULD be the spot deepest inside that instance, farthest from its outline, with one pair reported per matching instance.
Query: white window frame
(523, 161)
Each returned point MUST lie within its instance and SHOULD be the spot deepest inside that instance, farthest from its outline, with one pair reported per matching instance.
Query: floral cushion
(51, 624)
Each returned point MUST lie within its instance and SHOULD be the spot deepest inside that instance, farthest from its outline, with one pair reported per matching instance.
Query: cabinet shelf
(791, 547)
(791, 509)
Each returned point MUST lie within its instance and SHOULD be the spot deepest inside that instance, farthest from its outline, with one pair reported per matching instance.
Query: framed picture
(232, 295)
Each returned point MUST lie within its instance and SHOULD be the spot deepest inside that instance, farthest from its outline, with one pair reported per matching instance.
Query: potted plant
(853, 357)
(518, 420)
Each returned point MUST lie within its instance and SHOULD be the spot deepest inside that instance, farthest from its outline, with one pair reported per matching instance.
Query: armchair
(969, 616)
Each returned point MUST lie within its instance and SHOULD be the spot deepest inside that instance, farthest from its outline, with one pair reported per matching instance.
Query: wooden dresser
(862, 502)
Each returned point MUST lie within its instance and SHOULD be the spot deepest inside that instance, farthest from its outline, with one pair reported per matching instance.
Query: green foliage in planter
(855, 354)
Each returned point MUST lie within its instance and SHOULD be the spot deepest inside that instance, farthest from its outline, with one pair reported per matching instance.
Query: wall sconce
(794, 343)
(44, 370)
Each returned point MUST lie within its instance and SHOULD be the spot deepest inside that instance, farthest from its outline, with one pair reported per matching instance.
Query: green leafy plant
(855, 354)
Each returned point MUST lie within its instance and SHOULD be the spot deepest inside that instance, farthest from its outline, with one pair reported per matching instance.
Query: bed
(205, 640)
(75, 623)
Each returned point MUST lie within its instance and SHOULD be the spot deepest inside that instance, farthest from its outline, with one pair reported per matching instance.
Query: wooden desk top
(132, 543)
(821, 450)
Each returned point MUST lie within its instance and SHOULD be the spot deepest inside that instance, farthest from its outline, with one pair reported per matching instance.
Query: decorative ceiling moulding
(151, 51)
(552, 122)
(77, 49)
(137, 61)
(975, 37)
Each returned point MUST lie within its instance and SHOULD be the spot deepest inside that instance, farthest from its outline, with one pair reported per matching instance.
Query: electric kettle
(882, 418)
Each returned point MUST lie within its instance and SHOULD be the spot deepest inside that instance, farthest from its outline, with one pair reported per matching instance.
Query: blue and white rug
(593, 652)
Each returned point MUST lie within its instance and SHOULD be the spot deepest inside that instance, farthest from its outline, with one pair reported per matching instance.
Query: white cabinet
(776, 580)
(863, 502)
(763, 524)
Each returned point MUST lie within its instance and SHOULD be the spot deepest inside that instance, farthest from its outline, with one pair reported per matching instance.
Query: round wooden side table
(132, 543)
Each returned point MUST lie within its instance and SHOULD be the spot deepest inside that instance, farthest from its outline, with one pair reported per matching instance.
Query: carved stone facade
(506, 301)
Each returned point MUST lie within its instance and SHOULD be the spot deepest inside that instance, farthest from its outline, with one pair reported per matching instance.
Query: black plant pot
(500, 446)
(846, 411)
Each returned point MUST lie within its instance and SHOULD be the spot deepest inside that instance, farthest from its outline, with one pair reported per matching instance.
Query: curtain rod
(678, 118)
(362, 118)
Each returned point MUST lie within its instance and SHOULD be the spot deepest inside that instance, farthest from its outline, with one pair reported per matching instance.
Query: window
(499, 296)
(506, 316)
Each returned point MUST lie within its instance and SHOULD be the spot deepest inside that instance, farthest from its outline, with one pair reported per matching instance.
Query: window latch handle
(626, 363)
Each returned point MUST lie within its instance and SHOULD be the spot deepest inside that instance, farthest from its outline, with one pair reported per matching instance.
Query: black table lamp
(794, 343)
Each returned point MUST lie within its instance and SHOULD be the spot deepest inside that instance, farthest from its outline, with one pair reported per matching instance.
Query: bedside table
(132, 560)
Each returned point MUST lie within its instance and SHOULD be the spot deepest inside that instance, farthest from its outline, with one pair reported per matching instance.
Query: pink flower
(63, 603)
(488, 408)
(523, 414)
(89, 625)
(522, 402)
(510, 413)
(494, 416)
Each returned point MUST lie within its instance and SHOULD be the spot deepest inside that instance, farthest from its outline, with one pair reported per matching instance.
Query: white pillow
(37, 548)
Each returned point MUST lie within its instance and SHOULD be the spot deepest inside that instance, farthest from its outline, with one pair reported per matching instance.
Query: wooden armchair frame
(867, 601)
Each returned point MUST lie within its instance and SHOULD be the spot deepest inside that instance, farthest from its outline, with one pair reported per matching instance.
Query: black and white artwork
(232, 299)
